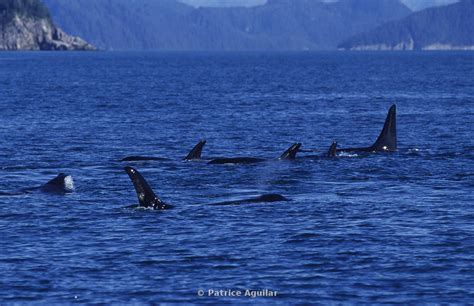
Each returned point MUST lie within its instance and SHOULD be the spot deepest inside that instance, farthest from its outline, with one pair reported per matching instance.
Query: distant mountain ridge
(170, 25)
(26, 25)
(448, 27)
(418, 5)
(224, 3)
(415, 5)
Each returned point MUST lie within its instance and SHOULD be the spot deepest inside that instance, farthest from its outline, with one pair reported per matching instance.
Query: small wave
(347, 154)
(304, 236)
(10, 194)
(69, 183)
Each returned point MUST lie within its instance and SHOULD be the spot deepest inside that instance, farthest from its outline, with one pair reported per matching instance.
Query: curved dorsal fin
(195, 153)
(58, 180)
(332, 152)
(61, 183)
(387, 140)
(291, 152)
(146, 196)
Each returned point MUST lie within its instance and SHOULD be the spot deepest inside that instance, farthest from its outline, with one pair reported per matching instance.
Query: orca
(194, 154)
(289, 154)
(61, 183)
(266, 198)
(148, 199)
(387, 140)
(146, 196)
(332, 152)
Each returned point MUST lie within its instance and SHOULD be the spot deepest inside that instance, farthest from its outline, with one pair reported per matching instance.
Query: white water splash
(69, 183)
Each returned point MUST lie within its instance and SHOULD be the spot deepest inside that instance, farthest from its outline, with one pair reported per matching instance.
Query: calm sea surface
(370, 228)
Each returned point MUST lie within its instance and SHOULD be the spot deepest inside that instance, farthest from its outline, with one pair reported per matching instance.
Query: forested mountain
(172, 25)
(224, 3)
(415, 5)
(418, 5)
(448, 27)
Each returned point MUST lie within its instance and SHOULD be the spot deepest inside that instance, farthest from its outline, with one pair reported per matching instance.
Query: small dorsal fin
(387, 140)
(61, 183)
(58, 180)
(332, 152)
(146, 196)
(291, 152)
(195, 153)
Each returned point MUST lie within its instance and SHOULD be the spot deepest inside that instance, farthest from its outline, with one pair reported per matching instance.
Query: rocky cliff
(26, 25)
(448, 27)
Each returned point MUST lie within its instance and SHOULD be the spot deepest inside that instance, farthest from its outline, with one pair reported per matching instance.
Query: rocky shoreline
(409, 47)
(28, 26)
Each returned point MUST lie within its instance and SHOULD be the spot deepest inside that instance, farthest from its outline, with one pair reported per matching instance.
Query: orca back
(146, 196)
(195, 153)
(332, 152)
(291, 152)
(387, 140)
(61, 183)
(265, 198)
(272, 197)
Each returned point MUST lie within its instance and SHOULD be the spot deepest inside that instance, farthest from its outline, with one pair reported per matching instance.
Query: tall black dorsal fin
(146, 196)
(387, 140)
(291, 152)
(195, 153)
(332, 152)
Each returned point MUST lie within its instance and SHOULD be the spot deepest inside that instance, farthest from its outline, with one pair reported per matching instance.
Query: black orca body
(146, 196)
(266, 198)
(387, 140)
(62, 183)
(332, 152)
(291, 152)
(194, 154)
(287, 155)
(148, 199)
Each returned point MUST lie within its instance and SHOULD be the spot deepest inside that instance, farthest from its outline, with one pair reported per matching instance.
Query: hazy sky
(413, 4)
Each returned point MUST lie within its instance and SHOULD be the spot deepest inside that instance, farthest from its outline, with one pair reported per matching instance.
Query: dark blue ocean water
(373, 228)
